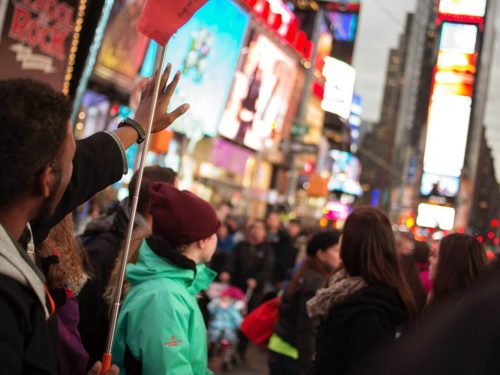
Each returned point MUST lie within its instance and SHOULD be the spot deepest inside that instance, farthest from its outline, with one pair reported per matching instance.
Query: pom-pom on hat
(180, 217)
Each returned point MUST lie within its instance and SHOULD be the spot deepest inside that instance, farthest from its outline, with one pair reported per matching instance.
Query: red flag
(160, 19)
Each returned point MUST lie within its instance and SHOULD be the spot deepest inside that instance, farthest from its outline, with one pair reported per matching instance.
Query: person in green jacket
(160, 328)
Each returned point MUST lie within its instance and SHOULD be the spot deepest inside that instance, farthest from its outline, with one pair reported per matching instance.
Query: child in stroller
(226, 315)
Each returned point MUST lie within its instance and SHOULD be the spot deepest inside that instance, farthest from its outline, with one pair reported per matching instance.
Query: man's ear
(202, 243)
(45, 182)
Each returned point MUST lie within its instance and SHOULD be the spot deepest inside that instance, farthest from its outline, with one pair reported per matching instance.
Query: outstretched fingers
(176, 113)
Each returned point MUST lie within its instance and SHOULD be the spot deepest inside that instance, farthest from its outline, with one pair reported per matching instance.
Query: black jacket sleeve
(307, 327)
(266, 269)
(98, 163)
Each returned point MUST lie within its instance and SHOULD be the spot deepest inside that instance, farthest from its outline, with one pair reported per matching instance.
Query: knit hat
(180, 217)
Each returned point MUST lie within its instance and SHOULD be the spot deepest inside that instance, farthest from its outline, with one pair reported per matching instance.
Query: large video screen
(346, 171)
(339, 87)
(475, 8)
(344, 25)
(260, 96)
(458, 37)
(431, 216)
(206, 51)
(447, 130)
(439, 186)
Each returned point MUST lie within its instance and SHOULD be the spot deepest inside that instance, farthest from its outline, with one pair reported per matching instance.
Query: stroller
(226, 309)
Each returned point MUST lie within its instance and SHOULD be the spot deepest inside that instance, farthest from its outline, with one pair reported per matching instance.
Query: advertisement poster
(346, 172)
(206, 51)
(123, 48)
(36, 39)
(261, 92)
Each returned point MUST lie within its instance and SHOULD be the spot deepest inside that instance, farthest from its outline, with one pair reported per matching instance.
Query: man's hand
(162, 119)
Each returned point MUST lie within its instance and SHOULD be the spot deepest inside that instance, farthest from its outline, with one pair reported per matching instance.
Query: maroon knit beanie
(180, 217)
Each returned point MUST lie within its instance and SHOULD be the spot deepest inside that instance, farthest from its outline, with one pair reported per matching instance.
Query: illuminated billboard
(123, 48)
(339, 87)
(439, 186)
(344, 25)
(432, 216)
(206, 51)
(447, 130)
(346, 171)
(458, 37)
(475, 8)
(259, 99)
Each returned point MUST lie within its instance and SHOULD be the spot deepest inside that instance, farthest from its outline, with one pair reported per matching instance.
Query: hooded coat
(357, 329)
(160, 328)
(26, 341)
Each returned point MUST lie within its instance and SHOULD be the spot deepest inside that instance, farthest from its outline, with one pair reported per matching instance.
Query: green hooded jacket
(160, 321)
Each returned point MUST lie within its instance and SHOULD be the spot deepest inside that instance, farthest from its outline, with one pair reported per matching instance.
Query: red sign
(36, 39)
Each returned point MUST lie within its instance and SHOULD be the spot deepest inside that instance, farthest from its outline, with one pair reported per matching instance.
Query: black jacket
(26, 346)
(359, 328)
(294, 325)
(285, 254)
(459, 338)
(251, 262)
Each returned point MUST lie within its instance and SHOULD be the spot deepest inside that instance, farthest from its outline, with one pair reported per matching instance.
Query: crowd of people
(363, 300)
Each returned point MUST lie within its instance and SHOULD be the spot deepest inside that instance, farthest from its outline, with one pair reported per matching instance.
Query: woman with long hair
(454, 267)
(292, 346)
(366, 302)
(62, 259)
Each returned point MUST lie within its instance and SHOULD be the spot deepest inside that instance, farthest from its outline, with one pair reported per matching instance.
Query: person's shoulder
(164, 292)
(16, 299)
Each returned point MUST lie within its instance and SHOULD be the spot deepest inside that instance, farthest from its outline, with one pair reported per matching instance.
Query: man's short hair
(151, 174)
(33, 120)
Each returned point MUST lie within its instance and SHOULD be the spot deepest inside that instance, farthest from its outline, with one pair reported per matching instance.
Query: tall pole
(106, 362)
(293, 176)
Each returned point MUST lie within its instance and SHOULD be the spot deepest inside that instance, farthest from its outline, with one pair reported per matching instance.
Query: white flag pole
(106, 361)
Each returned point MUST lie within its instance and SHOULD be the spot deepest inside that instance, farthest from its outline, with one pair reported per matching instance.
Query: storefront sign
(36, 39)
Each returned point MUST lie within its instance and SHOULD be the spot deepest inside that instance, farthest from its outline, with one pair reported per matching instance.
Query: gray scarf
(340, 286)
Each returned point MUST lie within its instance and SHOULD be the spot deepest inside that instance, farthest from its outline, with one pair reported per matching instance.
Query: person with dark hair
(284, 252)
(292, 346)
(459, 338)
(44, 177)
(455, 267)
(103, 240)
(366, 302)
(421, 255)
(160, 327)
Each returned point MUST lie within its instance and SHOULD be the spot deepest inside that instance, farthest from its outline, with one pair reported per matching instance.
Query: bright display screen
(206, 51)
(344, 25)
(447, 130)
(123, 48)
(339, 87)
(439, 186)
(463, 7)
(346, 171)
(458, 37)
(432, 216)
(260, 96)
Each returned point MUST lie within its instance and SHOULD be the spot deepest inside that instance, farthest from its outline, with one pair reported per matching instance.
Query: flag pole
(106, 360)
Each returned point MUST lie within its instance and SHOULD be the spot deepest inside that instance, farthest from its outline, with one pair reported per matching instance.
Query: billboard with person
(261, 93)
